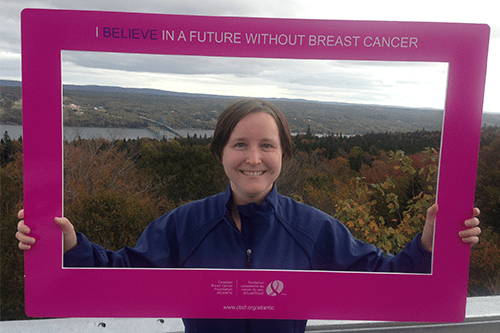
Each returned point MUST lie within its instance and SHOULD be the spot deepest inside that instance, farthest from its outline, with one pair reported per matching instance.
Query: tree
(184, 173)
(393, 226)
(106, 196)
(488, 185)
(484, 272)
(9, 149)
(373, 203)
(113, 219)
(11, 263)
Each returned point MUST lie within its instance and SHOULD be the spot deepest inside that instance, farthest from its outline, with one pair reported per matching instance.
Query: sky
(399, 84)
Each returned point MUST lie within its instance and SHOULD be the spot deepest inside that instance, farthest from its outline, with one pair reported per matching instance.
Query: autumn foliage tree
(11, 259)
(484, 273)
(106, 197)
(182, 172)
(113, 189)
(488, 184)
(382, 204)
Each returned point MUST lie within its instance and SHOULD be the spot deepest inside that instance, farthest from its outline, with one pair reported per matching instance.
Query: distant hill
(8, 83)
(110, 89)
(146, 91)
(107, 106)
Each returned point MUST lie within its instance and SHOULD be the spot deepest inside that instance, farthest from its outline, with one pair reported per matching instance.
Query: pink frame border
(67, 292)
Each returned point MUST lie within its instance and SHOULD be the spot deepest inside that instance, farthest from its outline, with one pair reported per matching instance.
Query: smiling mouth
(252, 173)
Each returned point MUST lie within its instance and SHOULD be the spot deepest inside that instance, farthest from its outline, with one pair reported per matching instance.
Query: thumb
(428, 233)
(68, 233)
(431, 215)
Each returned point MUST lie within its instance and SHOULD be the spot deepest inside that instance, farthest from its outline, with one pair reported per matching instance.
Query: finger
(24, 246)
(23, 227)
(476, 231)
(65, 224)
(24, 239)
(432, 211)
(20, 214)
(472, 222)
(476, 212)
(431, 214)
(471, 240)
(70, 239)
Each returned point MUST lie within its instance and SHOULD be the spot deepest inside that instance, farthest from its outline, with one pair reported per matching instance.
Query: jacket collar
(271, 198)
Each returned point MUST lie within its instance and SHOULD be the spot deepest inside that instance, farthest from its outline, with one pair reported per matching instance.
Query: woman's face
(252, 158)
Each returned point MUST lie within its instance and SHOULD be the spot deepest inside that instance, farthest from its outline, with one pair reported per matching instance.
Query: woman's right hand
(26, 242)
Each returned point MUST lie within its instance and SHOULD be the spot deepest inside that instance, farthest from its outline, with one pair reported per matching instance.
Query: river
(71, 133)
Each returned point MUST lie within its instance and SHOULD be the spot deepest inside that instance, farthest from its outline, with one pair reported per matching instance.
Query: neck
(235, 214)
(242, 200)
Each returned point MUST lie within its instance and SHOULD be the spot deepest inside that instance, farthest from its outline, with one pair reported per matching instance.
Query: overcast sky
(381, 83)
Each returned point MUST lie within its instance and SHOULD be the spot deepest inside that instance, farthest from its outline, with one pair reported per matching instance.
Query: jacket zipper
(249, 255)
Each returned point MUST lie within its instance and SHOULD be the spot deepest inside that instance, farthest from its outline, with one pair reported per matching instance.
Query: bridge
(160, 126)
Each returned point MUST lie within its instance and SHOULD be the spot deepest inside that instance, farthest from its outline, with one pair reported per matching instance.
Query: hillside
(103, 106)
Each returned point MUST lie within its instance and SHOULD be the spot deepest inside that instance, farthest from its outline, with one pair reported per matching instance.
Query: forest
(97, 106)
(378, 184)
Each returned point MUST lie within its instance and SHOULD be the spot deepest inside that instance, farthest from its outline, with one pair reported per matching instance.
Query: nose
(254, 156)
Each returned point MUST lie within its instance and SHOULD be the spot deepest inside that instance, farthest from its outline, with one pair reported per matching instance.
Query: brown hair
(235, 112)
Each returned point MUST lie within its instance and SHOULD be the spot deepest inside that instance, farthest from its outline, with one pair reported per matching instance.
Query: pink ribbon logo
(274, 288)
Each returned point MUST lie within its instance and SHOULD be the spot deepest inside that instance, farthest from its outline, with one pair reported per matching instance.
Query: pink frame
(54, 291)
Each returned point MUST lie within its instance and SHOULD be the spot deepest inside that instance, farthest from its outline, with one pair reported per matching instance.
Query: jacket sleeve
(330, 245)
(412, 259)
(352, 254)
(157, 247)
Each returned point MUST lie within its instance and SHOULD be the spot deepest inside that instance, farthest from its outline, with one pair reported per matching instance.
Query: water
(71, 133)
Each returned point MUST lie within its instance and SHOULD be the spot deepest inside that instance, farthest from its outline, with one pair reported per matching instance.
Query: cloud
(303, 80)
(10, 15)
(10, 63)
(326, 80)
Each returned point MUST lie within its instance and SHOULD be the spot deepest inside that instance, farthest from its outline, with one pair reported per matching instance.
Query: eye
(239, 145)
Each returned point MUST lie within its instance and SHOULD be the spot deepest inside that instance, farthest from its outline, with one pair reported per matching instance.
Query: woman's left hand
(469, 235)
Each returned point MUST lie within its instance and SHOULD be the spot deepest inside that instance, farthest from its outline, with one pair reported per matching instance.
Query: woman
(250, 225)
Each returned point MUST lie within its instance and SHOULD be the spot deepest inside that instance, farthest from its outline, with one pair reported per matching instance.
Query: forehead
(257, 123)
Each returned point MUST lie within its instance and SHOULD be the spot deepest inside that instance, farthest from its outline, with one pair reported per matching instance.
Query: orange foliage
(374, 203)
(106, 197)
(484, 273)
